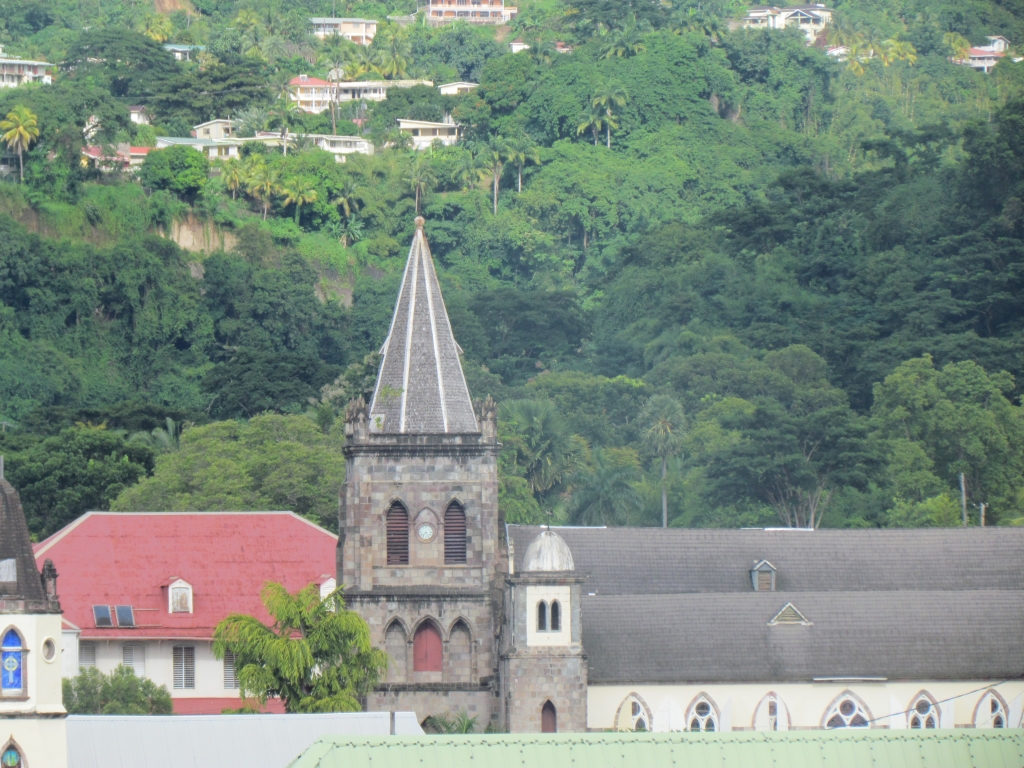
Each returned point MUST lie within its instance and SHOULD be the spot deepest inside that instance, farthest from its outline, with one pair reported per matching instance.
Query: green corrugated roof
(794, 749)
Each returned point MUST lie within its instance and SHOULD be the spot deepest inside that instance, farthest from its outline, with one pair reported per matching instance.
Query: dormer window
(762, 576)
(180, 597)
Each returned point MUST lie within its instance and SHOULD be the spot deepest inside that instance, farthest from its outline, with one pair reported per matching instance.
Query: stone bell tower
(32, 725)
(419, 547)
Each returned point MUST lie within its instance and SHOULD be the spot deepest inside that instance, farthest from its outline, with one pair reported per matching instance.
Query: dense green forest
(705, 271)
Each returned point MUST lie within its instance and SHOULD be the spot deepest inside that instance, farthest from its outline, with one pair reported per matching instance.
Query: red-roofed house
(124, 157)
(147, 589)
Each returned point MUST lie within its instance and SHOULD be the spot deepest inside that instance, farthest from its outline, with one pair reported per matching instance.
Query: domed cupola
(548, 552)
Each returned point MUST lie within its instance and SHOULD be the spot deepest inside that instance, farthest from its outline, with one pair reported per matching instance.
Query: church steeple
(21, 586)
(421, 388)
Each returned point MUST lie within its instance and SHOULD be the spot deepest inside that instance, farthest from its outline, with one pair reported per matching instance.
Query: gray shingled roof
(420, 387)
(678, 605)
(16, 545)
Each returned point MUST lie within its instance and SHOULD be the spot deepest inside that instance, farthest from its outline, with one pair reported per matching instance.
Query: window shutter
(184, 666)
(764, 581)
(128, 656)
(86, 655)
(230, 674)
(454, 535)
(398, 535)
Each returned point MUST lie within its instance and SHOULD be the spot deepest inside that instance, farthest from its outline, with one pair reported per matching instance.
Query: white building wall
(41, 740)
(805, 703)
(160, 665)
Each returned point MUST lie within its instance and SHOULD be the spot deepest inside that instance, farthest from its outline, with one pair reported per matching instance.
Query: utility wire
(951, 698)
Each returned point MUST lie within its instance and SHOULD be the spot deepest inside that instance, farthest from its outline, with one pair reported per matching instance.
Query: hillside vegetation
(714, 274)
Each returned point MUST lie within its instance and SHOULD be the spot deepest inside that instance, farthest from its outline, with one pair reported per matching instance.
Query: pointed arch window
(924, 713)
(548, 718)
(847, 712)
(633, 714)
(398, 535)
(455, 534)
(12, 664)
(542, 616)
(990, 712)
(11, 757)
(771, 714)
(556, 616)
(702, 715)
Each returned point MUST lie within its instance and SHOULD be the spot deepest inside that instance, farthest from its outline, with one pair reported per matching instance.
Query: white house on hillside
(15, 72)
(812, 19)
(360, 31)
(425, 133)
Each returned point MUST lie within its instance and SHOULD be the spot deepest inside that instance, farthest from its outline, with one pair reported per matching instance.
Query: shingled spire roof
(420, 387)
(19, 578)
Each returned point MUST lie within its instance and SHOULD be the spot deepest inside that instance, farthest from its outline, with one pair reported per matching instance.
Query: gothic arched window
(702, 715)
(12, 667)
(924, 713)
(542, 616)
(990, 712)
(427, 649)
(398, 535)
(633, 714)
(556, 616)
(455, 534)
(847, 712)
(771, 714)
(11, 757)
(548, 718)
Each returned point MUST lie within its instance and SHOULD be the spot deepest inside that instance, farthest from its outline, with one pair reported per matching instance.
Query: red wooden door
(426, 649)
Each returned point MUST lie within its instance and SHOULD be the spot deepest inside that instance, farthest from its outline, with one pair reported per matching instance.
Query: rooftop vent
(762, 576)
(789, 615)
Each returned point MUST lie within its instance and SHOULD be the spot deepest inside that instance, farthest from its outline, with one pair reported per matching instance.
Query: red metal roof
(307, 81)
(983, 52)
(122, 558)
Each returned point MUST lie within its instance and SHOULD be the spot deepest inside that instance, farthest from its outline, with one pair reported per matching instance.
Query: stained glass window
(11, 758)
(11, 679)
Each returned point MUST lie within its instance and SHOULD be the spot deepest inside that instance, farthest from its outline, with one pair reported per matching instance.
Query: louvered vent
(454, 535)
(764, 581)
(789, 615)
(184, 657)
(398, 535)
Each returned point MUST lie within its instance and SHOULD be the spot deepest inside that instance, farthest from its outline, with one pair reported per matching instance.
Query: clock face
(425, 532)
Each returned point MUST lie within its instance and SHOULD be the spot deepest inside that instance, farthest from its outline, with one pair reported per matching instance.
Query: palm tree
(625, 41)
(164, 440)
(609, 96)
(604, 494)
(467, 169)
(347, 231)
(157, 27)
(254, 42)
(335, 56)
(233, 175)
(522, 151)
(253, 119)
(420, 179)
(282, 113)
(902, 50)
(246, 21)
(20, 129)
(663, 436)
(459, 722)
(300, 192)
(544, 446)
(348, 198)
(394, 57)
(493, 157)
(958, 44)
(264, 182)
(593, 123)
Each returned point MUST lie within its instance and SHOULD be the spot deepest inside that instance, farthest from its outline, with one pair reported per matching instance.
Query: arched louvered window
(556, 616)
(454, 534)
(398, 535)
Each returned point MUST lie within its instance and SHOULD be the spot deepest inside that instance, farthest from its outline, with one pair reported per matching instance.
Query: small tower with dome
(543, 666)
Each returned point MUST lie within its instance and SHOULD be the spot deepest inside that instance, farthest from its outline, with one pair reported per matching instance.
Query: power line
(944, 701)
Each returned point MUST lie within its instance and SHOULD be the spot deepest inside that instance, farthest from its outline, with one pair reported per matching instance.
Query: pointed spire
(20, 582)
(420, 387)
